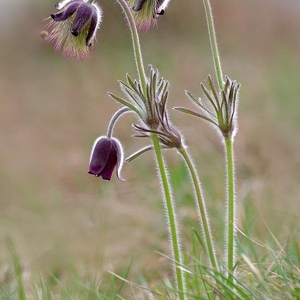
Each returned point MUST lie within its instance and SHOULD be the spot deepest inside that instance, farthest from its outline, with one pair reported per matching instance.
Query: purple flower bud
(74, 27)
(107, 153)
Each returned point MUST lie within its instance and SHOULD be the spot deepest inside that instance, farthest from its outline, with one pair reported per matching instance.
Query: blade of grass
(17, 269)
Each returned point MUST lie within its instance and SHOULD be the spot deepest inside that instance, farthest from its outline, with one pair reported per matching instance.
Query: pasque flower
(74, 27)
(147, 11)
(107, 153)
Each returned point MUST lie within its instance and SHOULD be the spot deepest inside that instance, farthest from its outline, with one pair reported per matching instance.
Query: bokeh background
(59, 217)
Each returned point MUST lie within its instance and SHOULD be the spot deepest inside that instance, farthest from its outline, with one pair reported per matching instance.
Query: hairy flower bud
(107, 153)
(74, 27)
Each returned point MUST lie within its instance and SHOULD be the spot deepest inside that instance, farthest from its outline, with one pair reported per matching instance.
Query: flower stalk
(202, 212)
(231, 207)
(213, 43)
(169, 203)
(135, 43)
(219, 108)
(171, 216)
(114, 119)
(229, 150)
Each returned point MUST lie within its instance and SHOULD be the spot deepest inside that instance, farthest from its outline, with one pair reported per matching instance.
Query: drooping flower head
(74, 27)
(147, 11)
(107, 153)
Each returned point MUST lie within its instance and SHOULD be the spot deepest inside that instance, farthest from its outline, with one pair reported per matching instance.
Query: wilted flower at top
(107, 153)
(74, 27)
(147, 11)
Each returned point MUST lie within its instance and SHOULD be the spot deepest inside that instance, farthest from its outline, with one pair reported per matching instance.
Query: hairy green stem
(114, 119)
(213, 43)
(231, 207)
(135, 43)
(204, 220)
(169, 204)
(171, 216)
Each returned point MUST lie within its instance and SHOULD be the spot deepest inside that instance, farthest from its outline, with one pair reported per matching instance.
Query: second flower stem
(201, 209)
(169, 203)
(213, 42)
(135, 43)
(231, 226)
(171, 217)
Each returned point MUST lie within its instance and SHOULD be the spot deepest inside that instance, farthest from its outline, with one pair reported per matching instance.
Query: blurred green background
(59, 217)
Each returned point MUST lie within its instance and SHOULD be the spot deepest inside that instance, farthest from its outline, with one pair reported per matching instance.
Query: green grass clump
(261, 272)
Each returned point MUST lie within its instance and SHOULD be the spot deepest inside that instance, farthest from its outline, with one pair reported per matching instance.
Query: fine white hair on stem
(197, 202)
(232, 166)
(114, 119)
(166, 209)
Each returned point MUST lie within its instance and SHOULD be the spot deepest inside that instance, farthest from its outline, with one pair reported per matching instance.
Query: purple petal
(110, 164)
(107, 153)
(160, 13)
(95, 24)
(100, 155)
(120, 158)
(83, 16)
(65, 14)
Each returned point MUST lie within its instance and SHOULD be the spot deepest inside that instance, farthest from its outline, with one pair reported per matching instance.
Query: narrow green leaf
(195, 114)
(126, 103)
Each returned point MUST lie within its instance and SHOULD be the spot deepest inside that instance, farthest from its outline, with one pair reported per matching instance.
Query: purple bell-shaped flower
(107, 153)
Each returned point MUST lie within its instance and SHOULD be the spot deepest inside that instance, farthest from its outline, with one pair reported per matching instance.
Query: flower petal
(65, 14)
(95, 24)
(83, 16)
(110, 164)
(120, 158)
(100, 155)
